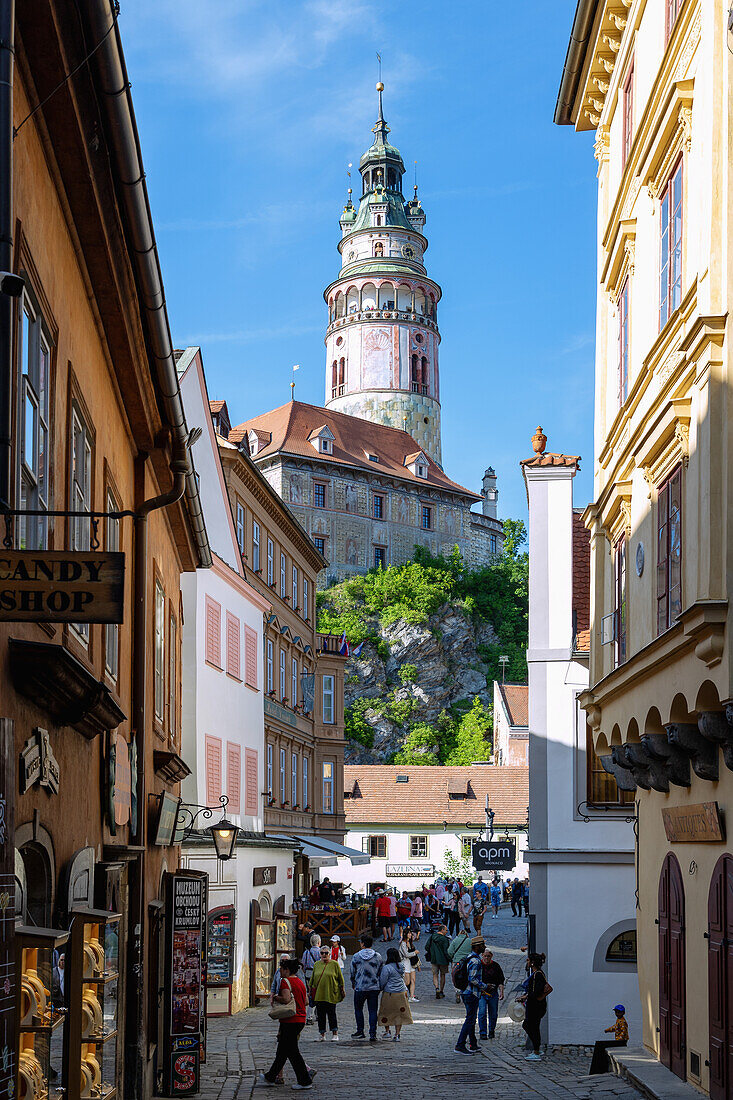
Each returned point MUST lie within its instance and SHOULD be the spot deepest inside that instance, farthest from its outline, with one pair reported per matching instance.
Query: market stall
(345, 921)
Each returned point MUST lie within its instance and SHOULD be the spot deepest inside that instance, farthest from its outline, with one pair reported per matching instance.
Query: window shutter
(251, 780)
(213, 632)
(233, 661)
(662, 559)
(250, 656)
(213, 769)
(234, 776)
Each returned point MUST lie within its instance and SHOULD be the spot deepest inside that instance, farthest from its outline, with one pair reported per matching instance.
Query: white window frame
(159, 653)
(328, 786)
(32, 477)
(283, 786)
(293, 779)
(306, 595)
(240, 526)
(255, 546)
(328, 699)
(283, 576)
(305, 782)
(293, 681)
(270, 562)
(295, 588)
(283, 679)
(269, 771)
(411, 843)
(112, 630)
(270, 666)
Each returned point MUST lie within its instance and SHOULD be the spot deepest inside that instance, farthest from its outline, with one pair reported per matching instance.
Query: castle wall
(408, 412)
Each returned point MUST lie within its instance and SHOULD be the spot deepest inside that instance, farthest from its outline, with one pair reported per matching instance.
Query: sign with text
(60, 586)
(494, 855)
(700, 823)
(410, 870)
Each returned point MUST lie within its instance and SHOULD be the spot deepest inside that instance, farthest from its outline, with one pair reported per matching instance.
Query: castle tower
(382, 337)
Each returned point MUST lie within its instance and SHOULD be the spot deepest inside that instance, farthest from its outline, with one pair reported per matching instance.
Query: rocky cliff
(409, 673)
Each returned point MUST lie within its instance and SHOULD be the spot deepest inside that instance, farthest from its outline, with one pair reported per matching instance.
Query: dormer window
(417, 464)
(326, 447)
(254, 443)
(421, 471)
(322, 439)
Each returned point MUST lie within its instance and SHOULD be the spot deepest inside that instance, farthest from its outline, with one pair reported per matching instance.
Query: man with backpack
(458, 949)
(517, 894)
(468, 979)
(436, 952)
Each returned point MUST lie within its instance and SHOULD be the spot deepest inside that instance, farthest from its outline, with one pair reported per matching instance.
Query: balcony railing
(338, 391)
(418, 387)
(382, 314)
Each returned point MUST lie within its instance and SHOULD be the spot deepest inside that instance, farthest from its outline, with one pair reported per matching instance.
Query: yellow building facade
(653, 79)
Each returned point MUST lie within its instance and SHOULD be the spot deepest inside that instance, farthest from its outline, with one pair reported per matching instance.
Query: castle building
(364, 475)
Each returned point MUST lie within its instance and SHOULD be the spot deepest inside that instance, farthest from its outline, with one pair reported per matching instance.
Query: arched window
(342, 372)
(334, 378)
(414, 374)
(424, 374)
(622, 948)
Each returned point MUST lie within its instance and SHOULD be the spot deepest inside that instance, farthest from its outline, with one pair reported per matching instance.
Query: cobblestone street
(423, 1064)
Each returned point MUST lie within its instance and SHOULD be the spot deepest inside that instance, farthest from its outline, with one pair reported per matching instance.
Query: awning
(323, 853)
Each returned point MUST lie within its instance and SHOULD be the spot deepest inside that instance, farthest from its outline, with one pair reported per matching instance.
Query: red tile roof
(552, 460)
(423, 799)
(216, 406)
(581, 582)
(291, 425)
(516, 701)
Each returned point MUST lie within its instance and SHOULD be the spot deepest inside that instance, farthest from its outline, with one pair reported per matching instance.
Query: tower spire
(381, 129)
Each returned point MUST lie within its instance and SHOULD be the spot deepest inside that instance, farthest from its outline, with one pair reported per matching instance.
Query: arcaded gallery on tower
(364, 474)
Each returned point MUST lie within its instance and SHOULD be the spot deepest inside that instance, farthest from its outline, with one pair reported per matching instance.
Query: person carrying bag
(289, 1009)
(327, 990)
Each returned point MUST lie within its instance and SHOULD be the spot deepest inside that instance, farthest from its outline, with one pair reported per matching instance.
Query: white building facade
(223, 730)
(581, 839)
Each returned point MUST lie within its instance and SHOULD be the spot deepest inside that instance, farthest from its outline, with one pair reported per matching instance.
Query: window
(172, 676)
(269, 668)
(670, 267)
(159, 653)
(112, 630)
(418, 847)
(467, 847)
(213, 632)
(283, 577)
(327, 787)
(326, 446)
(270, 562)
(378, 508)
(256, 547)
(251, 783)
(282, 776)
(294, 779)
(619, 564)
(250, 656)
(421, 471)
(673, 10)
(319, 494)
(426, 518)
(295, 588)
(305, 782)
(234, 777)
(374, 846)
(320, 545)
(380, 557)
(628, 116)
(233, 647)
(33, 387)
(623, 947)
(492, 543)
(328, 691)
(212, 754)
(623, 343)
(669, 551)
(601, 787)
(240, 527)
(269, 770)
(282, 674)
(293, 681)
(81, 496)
(306, 595)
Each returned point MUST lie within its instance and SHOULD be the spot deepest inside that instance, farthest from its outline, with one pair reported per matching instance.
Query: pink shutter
(213, 632)
(213, 769)
(234, 776)
(251, 780)
(233, 660)
(250, 656)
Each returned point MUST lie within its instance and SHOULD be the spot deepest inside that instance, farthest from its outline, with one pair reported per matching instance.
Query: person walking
(516, 896)
(366, 966)
(479, 908)
(327, 991)
(525, 897)
(410, 959)
(470, 995)
(488, 1005)
(535, 1004)
(450, 912)
(311, 956)
(436, 952)
(394, 1008)
(416, 915)
(338, 953)
(383, 910)
(458, 949)
(291, 989)
(495, 897)
(465, 909)
(392, 914)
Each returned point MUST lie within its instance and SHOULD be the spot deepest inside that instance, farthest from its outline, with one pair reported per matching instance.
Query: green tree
(458, 867)
(420, 748)
(473, 737)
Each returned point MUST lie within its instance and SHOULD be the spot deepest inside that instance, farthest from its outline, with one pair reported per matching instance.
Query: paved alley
(423, 1064)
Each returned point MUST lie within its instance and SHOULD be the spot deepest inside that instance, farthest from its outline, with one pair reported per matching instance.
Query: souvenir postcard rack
(91, 1032)
(40, 1011)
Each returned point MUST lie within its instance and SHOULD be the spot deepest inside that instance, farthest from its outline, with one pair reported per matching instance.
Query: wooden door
(720, 979)
(672, 992)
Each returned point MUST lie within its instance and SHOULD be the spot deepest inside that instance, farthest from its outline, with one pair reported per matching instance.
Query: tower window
(379, 247)
(423, 375)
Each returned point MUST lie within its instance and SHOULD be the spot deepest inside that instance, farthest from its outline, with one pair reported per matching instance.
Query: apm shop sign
(58, 586)
(494, 855)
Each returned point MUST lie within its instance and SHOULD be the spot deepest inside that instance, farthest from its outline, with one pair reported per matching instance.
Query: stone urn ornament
(539, 441)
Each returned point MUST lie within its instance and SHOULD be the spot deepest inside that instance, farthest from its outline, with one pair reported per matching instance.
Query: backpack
(459, 974)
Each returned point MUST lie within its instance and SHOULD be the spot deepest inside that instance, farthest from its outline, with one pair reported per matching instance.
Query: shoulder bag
(284, 1011)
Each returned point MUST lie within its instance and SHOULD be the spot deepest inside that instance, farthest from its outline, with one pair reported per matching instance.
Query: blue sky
(249, 113)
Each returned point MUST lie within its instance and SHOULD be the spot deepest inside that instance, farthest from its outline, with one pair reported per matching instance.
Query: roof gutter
(585, 15)
(116, 102)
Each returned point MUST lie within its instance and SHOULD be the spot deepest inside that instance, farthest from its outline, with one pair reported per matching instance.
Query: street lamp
(503, 661)
(224, 833)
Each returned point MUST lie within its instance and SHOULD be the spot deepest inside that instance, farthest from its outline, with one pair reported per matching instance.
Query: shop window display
(40, 1012)
(91, 998)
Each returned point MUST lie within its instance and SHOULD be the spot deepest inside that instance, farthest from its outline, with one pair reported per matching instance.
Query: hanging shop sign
(264, 876)
(692, 824)
(58, 586)
(166, 824)
(494, 855)
(38, 763)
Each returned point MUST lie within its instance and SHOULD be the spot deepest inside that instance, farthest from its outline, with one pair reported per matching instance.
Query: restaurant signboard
(60, 586)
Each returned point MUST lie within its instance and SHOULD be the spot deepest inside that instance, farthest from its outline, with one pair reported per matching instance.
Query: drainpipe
(7, 26)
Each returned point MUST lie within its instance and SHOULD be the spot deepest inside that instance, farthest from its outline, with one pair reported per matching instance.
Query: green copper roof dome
(380, 150)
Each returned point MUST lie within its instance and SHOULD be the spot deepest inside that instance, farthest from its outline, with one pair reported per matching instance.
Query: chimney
(489, 494)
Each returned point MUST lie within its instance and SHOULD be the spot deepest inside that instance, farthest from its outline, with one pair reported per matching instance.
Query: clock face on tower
(408, 251)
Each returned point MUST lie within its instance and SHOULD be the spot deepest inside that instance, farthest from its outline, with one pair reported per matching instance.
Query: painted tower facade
(382, 338)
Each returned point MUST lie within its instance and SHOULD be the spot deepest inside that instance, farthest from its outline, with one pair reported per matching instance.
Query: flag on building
(344, 647)
(357, 651)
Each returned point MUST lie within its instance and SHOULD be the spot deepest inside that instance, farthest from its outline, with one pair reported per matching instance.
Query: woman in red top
(291, 988)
